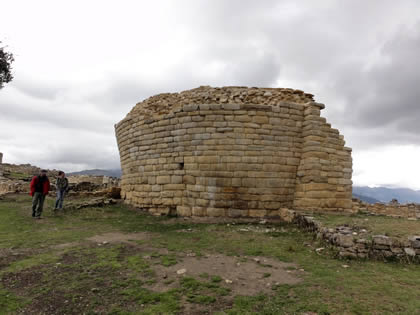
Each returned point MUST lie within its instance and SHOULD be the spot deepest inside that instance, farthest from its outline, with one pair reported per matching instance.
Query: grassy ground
(15, 175)
(49, 266)
(375, 225)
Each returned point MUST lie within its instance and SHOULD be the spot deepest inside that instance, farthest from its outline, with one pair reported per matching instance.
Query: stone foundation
(393, 209)
(352, 244)
(234, 152)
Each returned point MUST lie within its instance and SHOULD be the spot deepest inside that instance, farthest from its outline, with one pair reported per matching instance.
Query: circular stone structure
(232, 151)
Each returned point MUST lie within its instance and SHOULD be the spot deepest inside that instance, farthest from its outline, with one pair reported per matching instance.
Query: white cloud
(391, 166)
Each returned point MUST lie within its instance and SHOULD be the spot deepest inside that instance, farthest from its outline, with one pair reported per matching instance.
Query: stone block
(163, 179)
(176, 179)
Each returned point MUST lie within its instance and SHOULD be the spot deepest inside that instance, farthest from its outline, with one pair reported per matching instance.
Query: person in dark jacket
(40, 186)
(62, 186)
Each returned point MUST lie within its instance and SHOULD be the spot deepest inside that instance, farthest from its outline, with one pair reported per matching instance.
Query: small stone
(345, 266)
(94, 290)
(409, 251)
(319, 249)
(257, 260)
(165, 276)
(263, 222)
(228, 281)
(181, 271)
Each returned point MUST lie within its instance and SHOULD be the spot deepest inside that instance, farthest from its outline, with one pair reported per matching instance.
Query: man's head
(61, 174)
(43, 173)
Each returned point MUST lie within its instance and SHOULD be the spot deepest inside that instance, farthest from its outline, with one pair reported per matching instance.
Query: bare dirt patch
(116, 237)
(65, 245)
(244, 276)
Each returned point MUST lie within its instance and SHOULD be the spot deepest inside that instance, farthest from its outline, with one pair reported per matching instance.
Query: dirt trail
(117, 237)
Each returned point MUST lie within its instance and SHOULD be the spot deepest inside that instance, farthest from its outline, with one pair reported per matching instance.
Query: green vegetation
(21, 176)
(49, 266)
(375, 225)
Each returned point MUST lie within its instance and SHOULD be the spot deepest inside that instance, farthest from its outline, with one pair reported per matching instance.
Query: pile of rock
(166, 102)
(355, 243)
(10, 186)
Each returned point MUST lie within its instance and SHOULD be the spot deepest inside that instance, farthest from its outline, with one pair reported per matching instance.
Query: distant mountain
(383, 194)
(98, 172)
(366, 198)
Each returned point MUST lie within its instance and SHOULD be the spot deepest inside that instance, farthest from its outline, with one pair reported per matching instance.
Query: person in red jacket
(40, 186)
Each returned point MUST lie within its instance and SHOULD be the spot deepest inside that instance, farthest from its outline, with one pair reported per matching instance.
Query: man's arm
(48, 187)
(32, 186)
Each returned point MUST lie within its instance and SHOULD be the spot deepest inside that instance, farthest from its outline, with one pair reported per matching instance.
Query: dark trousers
(37, 204)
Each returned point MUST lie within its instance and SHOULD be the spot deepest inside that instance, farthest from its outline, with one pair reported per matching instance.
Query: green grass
(9, 302)
(116, 278)
(375, 225)
(16, 175)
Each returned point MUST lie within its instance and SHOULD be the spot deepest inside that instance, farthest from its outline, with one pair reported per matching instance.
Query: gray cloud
(381, 100)
(358, 57)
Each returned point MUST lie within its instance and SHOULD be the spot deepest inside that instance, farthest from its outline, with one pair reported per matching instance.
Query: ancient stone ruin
(16, 178)
(233, 151)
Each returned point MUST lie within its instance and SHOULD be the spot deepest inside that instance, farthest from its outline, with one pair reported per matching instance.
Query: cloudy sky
(82, 65)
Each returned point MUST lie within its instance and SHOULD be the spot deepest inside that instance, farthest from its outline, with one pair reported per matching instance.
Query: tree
(6, 59)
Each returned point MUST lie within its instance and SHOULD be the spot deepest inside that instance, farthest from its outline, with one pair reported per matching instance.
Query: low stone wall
(352, 243)
(393, 209)
(9, 186)
(103, 181)
(77, 179)
(28, 169)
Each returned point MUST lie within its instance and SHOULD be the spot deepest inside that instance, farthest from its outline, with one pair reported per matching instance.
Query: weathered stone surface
(232, 151)
(394, 209)
(348, 245)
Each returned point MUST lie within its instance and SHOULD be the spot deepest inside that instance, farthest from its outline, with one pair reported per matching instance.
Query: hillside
(383, 194)
(366, 198)
(98, 172)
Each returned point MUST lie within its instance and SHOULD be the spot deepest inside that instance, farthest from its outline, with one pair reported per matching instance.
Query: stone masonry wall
(352, 244)
(232, 151)
(411, 210)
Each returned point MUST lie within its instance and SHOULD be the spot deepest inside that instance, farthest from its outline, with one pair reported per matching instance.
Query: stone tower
(233, 151)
